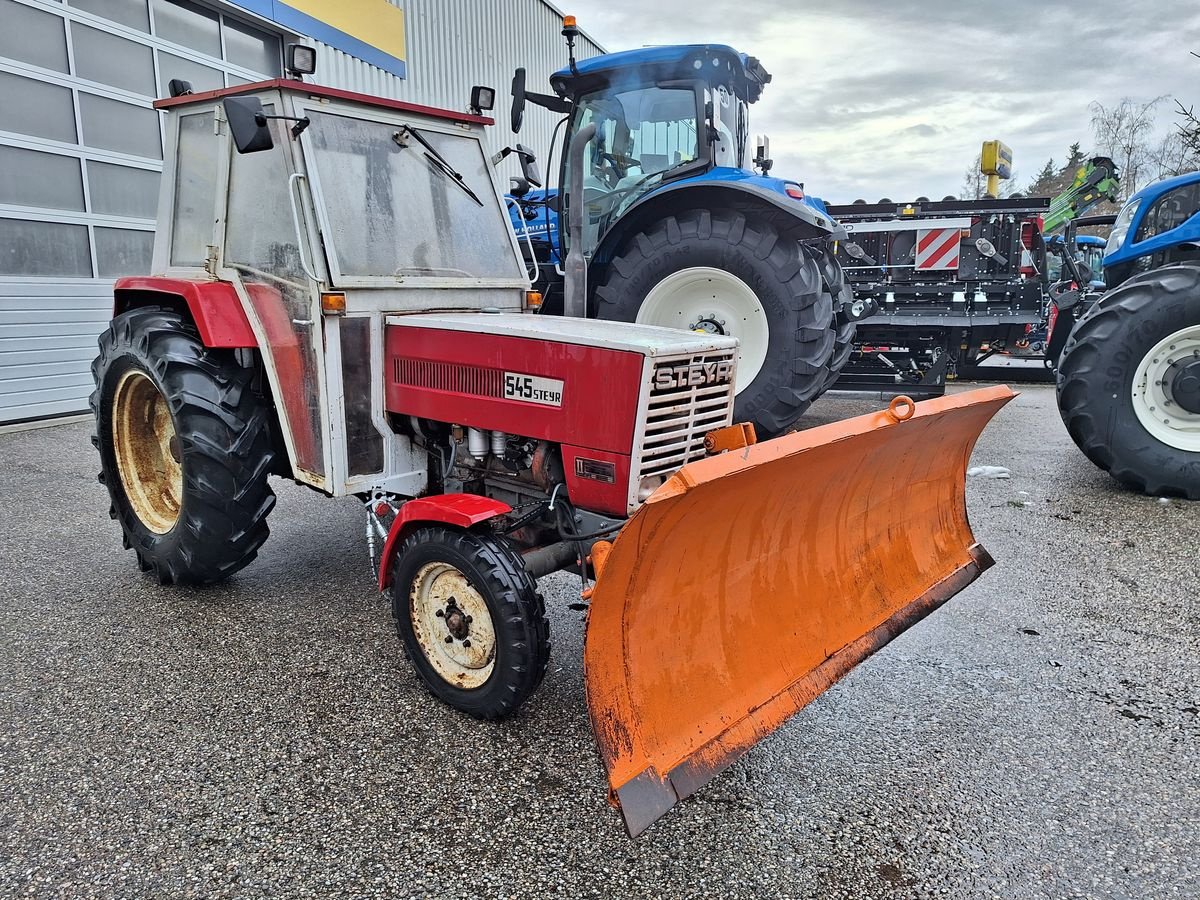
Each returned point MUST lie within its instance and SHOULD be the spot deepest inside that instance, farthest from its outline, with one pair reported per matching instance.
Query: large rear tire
(1129, 383)
(471, 620)
(844, 328)
(185, 448)
(728, 273)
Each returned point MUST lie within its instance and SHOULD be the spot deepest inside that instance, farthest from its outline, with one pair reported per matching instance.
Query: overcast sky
(893, 98)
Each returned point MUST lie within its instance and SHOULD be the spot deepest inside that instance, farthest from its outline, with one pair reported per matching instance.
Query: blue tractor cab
(682, 226)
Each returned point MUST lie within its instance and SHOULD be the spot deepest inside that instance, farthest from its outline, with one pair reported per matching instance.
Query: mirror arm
(550, 102)
(297, 129)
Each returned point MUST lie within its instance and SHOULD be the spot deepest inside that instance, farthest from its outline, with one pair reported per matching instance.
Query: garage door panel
(97, 317)
(43, 409)
(44, 344)
(53, 304)
(74, 330)
(31, 385)
(77, 393)
(44, 368)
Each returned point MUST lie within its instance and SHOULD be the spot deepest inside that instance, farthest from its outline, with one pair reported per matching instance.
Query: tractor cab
(323, 210)
(660, 114)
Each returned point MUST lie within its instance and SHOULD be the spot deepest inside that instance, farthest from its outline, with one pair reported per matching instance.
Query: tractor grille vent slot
(677, 418)
(449, 377)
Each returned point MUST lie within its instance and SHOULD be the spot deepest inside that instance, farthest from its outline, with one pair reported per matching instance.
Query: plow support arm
(752, 581)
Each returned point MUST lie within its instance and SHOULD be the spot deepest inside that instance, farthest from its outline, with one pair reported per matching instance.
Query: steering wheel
(619, 164)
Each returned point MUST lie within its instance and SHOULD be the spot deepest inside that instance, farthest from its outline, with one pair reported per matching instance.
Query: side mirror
(529, 166)
(248, 124)
(517, 115)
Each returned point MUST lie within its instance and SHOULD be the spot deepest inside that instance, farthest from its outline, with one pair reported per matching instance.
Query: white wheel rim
(712, 300)
(443, 604)
(1159, 414)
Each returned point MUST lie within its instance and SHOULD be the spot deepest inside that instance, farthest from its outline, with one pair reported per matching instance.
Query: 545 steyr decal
(533, 389)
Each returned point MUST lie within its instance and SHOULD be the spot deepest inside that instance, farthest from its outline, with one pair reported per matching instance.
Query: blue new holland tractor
(674, 226)
(1129, 375)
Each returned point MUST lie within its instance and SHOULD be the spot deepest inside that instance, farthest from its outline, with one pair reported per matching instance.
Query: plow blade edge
(752, 581)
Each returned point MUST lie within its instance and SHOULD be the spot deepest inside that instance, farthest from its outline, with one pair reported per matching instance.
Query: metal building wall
(454, 44)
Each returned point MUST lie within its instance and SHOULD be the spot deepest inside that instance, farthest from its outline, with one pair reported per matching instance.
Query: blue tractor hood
(713, 63)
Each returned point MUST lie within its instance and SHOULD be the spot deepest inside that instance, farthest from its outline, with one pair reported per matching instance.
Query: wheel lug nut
(467, 642)
(469, 620)
(439, 614)
(449, 639)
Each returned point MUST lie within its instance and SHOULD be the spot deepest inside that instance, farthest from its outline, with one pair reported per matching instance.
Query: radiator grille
(450, 377)
(677, 418)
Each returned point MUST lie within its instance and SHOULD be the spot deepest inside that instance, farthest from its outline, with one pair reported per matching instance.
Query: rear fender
(213, 306)
(456, 510)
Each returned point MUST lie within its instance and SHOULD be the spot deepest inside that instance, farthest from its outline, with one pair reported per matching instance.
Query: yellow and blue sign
(371, 30)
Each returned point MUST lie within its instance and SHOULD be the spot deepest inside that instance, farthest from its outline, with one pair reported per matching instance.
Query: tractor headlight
(1120, 228)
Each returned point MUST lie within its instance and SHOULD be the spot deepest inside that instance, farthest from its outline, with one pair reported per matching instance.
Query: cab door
(267, 254)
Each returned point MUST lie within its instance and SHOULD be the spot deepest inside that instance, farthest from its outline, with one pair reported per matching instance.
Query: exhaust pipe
(575, 268)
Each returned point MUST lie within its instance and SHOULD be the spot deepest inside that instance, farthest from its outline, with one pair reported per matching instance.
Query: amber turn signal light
(333, 304)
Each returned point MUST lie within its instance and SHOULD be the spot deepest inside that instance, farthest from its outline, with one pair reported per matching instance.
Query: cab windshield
(642, 134)
(409, 201)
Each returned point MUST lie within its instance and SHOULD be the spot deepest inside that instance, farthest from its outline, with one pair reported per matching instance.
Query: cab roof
(714, 63)
(308, 89)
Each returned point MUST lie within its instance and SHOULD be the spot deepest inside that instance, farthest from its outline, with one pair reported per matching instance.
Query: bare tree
(974, 184)
(1125, 133)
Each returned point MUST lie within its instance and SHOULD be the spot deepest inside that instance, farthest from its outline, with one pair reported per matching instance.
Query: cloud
(894, 99)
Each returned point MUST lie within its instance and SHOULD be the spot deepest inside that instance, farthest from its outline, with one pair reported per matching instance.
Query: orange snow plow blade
(752, 581)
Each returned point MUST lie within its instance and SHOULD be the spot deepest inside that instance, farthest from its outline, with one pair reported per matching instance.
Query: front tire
(471, 620)
(1129, 383)
(728, 273)
(185, 448)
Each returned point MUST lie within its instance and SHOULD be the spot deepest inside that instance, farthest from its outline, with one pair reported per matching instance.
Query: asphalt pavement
(1036, 737)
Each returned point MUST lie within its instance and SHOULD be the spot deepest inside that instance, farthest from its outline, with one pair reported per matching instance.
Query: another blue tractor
(676, 229)
(1129, 376)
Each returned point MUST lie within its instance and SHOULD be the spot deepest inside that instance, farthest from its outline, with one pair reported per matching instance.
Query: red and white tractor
(337, 299)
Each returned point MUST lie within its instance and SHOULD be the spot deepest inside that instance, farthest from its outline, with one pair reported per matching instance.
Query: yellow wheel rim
(149, 456)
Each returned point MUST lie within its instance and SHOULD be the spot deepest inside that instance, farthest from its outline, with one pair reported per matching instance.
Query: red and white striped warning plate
(937, 248)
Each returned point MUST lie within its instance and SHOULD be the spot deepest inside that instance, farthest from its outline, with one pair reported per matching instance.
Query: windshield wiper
(435, 159)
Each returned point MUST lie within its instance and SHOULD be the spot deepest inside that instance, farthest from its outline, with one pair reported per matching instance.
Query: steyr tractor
(1129, 376)
(678, 231)
(337, 298)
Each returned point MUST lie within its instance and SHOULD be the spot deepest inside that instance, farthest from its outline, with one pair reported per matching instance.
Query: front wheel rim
(148, 453)
(1153, 401)
(712, 301)
(452, 625)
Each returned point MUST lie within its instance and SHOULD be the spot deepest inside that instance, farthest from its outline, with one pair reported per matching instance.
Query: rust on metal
(751, 582)
(148, 451)
(731, 437)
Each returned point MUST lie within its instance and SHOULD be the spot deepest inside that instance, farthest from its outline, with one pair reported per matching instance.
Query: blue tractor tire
(1129, 382)
(784, 275)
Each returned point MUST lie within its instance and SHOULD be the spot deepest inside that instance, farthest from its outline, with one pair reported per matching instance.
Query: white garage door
(80, 156)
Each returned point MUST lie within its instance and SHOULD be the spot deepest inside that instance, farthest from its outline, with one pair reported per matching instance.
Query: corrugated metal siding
(455, 44)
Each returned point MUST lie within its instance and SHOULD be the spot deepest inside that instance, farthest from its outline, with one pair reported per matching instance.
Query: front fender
(721, 189)
(457, 510)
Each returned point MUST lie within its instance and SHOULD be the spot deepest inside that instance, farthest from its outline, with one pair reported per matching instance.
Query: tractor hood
(714, 63)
